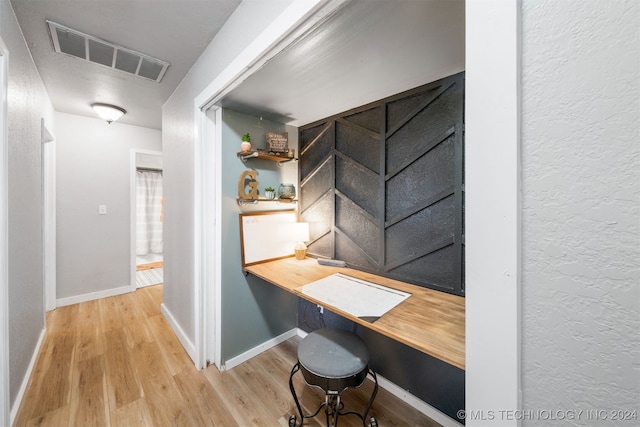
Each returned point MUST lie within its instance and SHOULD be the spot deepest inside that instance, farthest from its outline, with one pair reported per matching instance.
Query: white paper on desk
(354, 296)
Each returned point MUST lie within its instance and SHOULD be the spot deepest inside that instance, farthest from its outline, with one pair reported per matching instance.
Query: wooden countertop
(430, 321)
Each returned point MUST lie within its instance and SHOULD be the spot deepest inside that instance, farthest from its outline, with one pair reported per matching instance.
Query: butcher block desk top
(430, 321)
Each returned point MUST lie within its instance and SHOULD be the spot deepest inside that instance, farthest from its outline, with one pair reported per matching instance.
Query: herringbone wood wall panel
(382, 186)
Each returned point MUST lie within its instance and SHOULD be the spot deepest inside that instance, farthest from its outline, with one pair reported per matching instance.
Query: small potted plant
(246, 142)
(270, 193)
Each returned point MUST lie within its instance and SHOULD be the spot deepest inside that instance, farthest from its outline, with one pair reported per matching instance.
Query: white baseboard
(60, 302)
(189, 347)
(408, 398)
(27, 376)
(235, 361)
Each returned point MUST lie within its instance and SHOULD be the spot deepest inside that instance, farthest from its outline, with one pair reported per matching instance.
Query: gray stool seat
(333, 360)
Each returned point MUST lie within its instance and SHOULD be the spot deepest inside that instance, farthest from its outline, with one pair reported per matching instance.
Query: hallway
(115, 361)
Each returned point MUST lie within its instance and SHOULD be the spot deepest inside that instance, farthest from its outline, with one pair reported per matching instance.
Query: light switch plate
(102, 209)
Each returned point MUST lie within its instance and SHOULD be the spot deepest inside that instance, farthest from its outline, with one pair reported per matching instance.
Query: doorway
(5, 407)
(147, 216)
(48, 217)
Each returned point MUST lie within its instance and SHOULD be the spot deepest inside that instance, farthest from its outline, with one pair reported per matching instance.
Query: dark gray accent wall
(382, 186)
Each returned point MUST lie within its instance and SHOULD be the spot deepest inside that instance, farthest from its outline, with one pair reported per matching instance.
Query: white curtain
(149, 209)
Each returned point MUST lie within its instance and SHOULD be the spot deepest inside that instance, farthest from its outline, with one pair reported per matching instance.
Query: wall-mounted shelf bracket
(245, 157)
(286, 161)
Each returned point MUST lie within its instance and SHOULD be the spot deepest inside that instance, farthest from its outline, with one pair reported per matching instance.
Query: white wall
(178, 138)
(581, 205)
(28, 103)
(94, 168)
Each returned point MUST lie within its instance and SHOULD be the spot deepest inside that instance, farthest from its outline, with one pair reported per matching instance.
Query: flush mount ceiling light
(108, 112)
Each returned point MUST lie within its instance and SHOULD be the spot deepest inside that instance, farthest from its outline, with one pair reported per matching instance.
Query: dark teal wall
(253, 311)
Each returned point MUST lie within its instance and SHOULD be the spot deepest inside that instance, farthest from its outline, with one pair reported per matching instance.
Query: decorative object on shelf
(300, 234)
(246, 142)
(270, 193)
(287, 191)
(248, 177)
(277, 141)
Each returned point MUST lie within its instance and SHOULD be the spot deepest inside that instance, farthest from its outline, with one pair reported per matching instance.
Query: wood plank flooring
(116, 362)
(156, 264)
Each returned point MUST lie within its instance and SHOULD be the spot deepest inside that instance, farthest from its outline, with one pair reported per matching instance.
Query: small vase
(270, 195)
(245, 146)
(287, 191)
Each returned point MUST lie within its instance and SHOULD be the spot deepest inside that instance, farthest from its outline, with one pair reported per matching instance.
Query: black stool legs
(332, 404)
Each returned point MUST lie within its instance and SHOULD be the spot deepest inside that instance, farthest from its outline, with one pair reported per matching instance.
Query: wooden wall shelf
(242, 201)
(265, 155)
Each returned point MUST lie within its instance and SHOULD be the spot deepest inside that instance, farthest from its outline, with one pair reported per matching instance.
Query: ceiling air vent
(92, 49)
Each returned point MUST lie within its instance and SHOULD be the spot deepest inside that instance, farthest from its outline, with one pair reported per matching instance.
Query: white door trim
(5, 407)
(207, 226)
(48, 217)
(133, 213)
(492, 210)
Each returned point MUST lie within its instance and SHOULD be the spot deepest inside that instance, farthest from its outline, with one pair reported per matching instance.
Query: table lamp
(300, 234)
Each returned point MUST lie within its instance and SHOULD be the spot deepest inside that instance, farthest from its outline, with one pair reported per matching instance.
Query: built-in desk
(430, 321)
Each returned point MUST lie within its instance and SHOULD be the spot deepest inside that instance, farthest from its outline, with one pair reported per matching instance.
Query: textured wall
(581, 185)
(28, 103)
(94, 168)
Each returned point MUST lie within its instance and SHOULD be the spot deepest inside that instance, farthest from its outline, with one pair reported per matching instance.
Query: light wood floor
(149, 266)
(115, 361)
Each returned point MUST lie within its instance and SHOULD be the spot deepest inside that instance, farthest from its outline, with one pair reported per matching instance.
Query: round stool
(332, 360)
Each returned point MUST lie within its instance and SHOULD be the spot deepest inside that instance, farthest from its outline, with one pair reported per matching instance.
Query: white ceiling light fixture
(108, 112)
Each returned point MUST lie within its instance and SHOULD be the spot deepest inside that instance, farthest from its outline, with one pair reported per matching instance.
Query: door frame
(133, 212)
(207, 252)
(493, 229)
(488, 118)
(48, 217)
(5, 407)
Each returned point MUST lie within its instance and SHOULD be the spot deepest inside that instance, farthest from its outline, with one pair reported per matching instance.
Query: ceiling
(176, 31)
(366, 51)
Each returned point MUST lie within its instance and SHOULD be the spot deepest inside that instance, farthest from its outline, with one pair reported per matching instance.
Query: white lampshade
(300, 232)
(108, 112)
